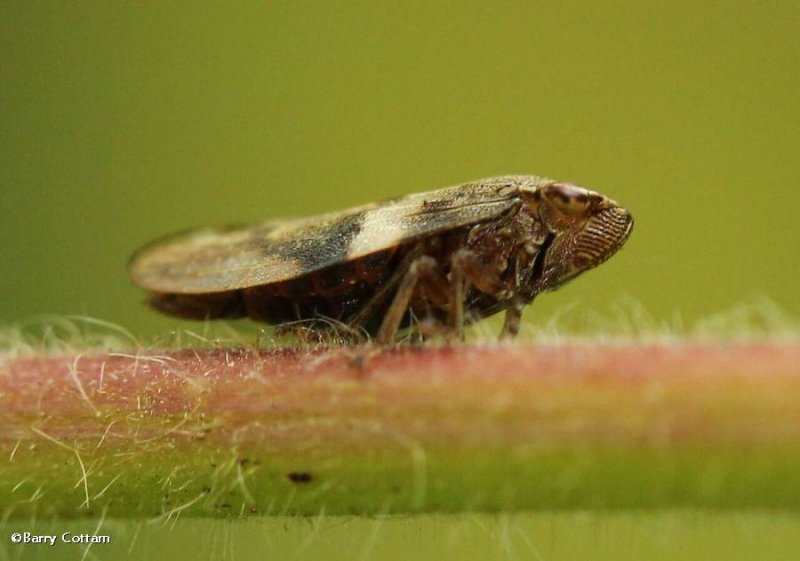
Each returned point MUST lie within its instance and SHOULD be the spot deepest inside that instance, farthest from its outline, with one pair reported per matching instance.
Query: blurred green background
(122, 122)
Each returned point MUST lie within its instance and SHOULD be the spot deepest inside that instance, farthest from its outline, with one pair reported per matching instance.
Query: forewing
(216, 260)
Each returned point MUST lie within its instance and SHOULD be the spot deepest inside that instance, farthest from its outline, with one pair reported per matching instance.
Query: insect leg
(455, 316)
(402, 298)
(512, 319)
(468, 267)
(377, 299)
(433, 293)
(517, 303)
(484, 276)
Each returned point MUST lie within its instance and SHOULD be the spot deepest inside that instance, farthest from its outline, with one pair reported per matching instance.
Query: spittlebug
(427, 262)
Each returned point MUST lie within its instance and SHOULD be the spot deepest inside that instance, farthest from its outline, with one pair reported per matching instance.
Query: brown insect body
(438, 259)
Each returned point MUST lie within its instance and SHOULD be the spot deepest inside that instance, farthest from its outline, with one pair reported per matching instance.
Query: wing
(217, 260)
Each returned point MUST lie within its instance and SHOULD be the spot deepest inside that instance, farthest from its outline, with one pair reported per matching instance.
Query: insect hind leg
(421, 267)
(419, 288)
(374, 304)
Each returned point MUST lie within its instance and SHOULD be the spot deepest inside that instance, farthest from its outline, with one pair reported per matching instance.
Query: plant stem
(231, 432)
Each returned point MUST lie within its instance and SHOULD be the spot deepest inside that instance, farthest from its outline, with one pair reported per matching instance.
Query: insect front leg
(484, 275)
(468, 268)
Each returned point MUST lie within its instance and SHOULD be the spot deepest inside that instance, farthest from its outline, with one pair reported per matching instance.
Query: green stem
(230, 432)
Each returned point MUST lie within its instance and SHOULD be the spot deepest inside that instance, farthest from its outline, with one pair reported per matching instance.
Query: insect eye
(567, 198)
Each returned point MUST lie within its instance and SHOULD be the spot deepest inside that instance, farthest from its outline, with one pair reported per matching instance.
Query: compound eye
(569, 199)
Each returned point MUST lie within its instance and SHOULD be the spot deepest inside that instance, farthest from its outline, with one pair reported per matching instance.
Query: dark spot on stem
(300, 476)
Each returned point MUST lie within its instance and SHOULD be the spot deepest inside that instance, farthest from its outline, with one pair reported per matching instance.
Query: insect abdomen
(336, 293)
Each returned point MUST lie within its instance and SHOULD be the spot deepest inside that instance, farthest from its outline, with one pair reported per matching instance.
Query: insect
(429, 262)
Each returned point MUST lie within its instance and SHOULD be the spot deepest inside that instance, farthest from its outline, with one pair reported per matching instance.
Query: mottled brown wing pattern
(216, 260)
